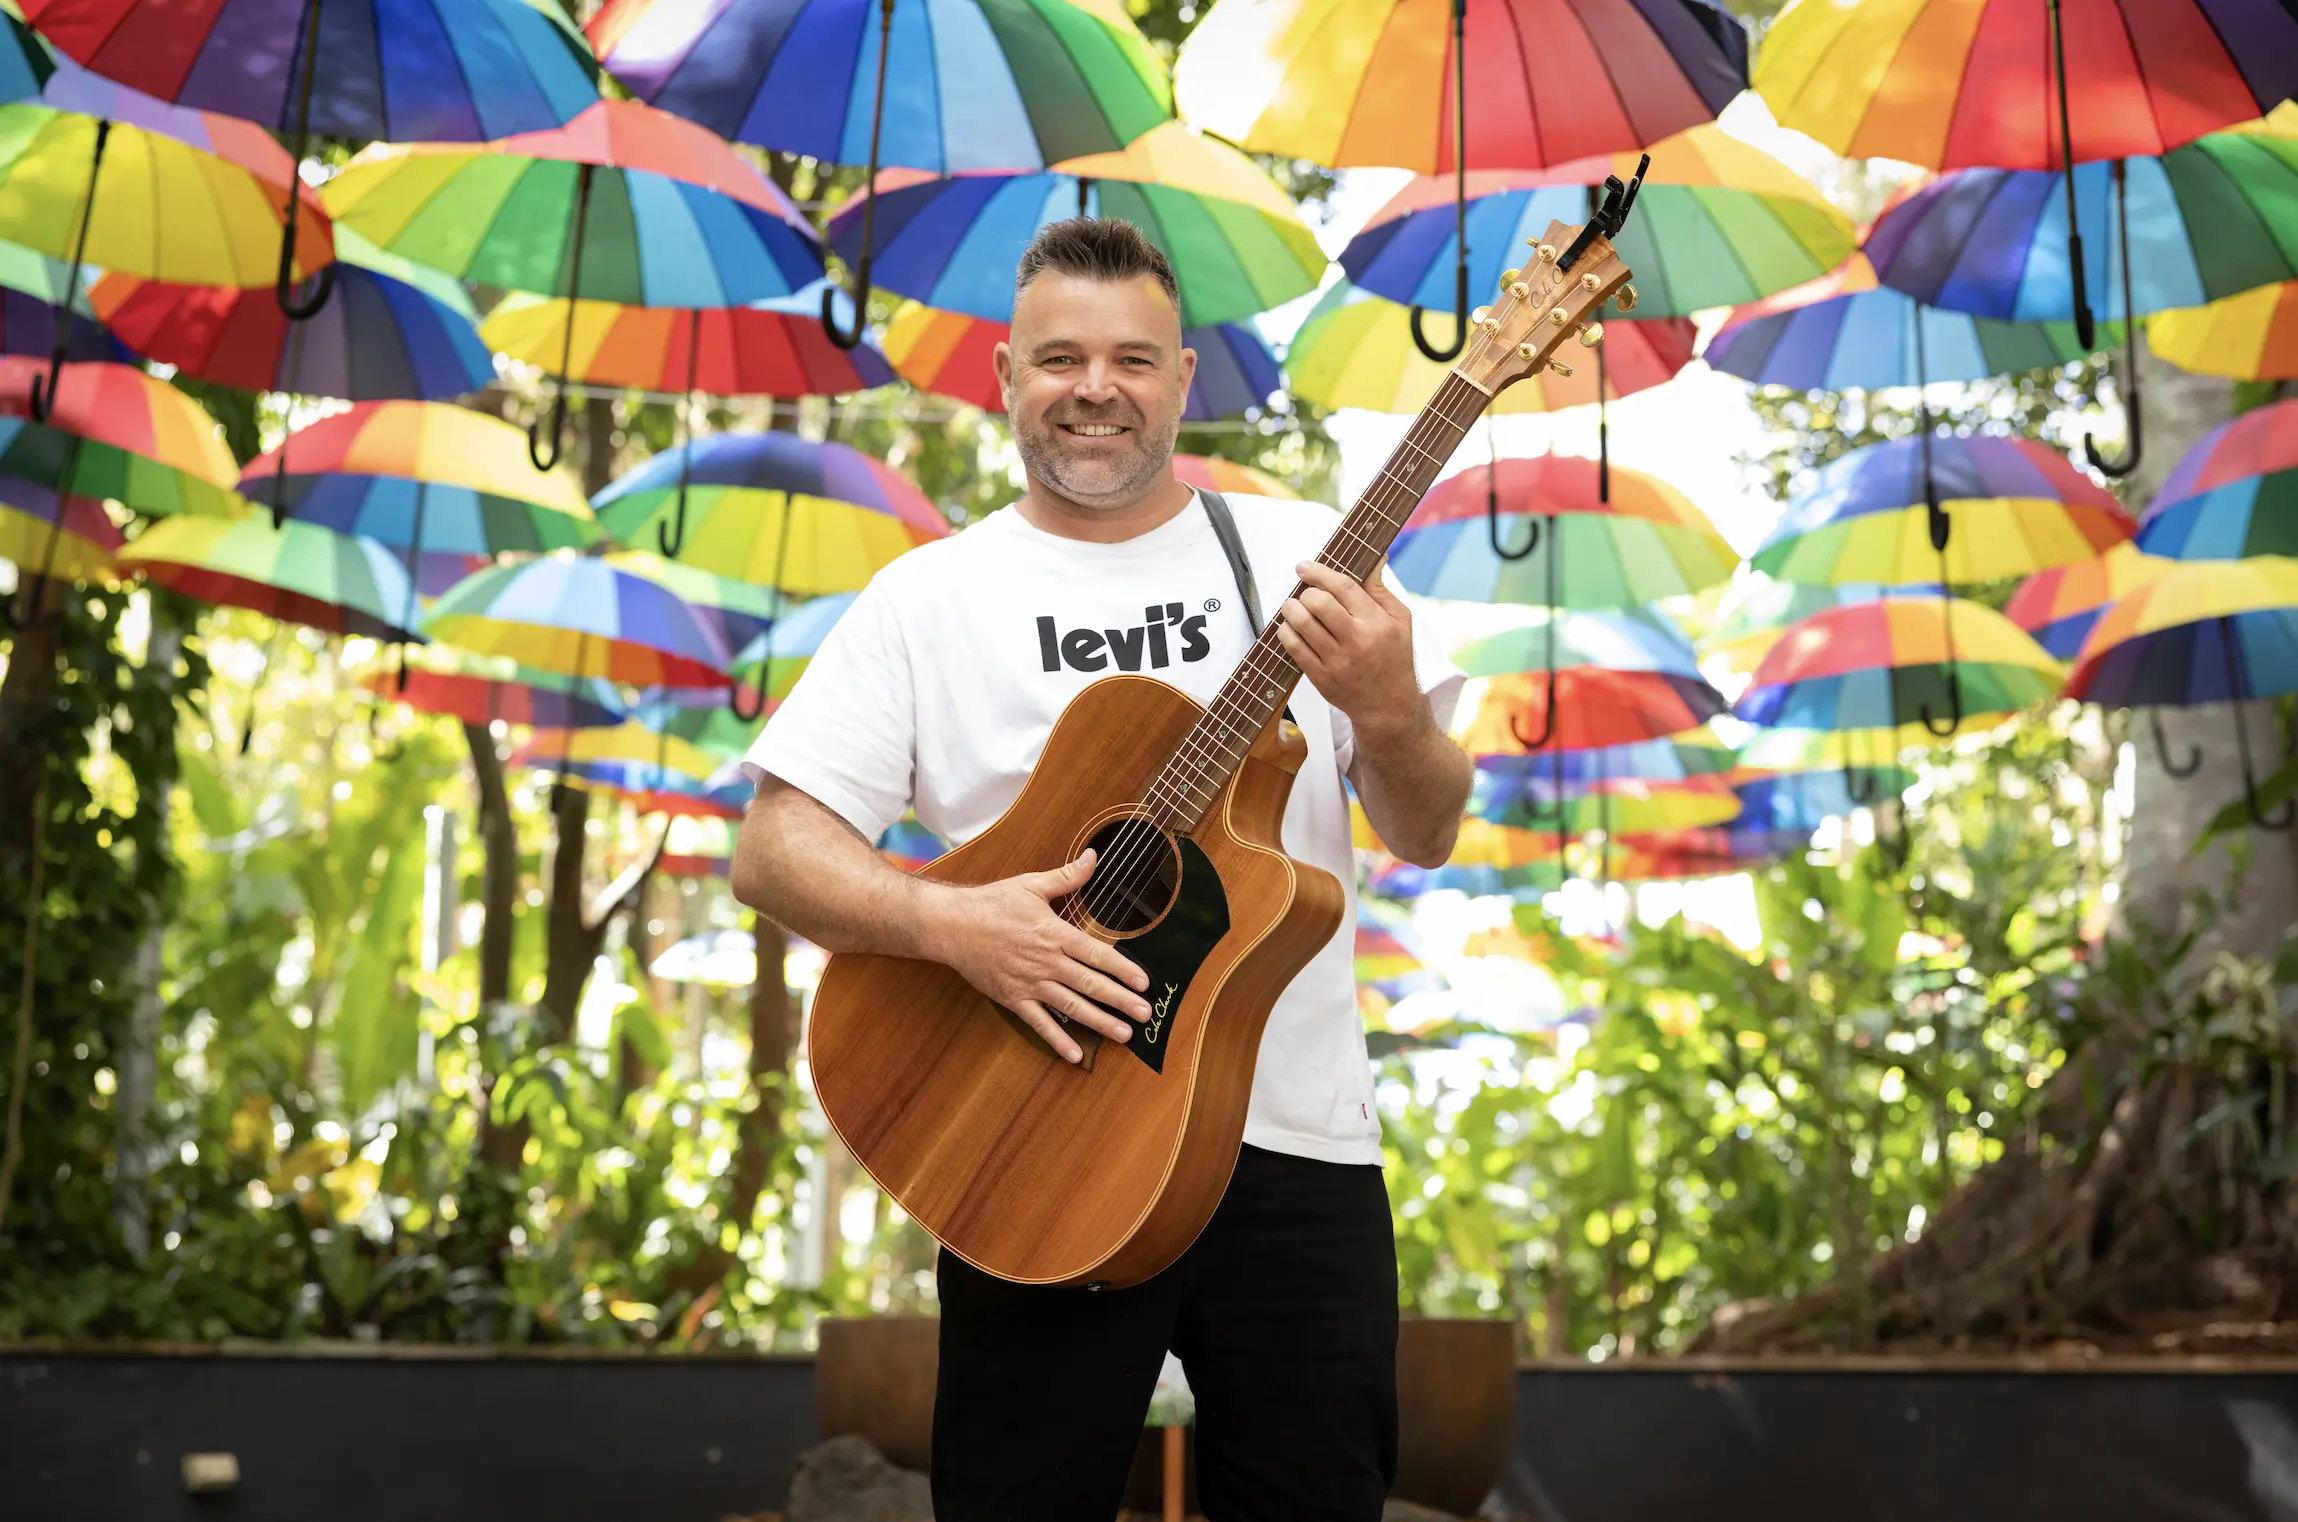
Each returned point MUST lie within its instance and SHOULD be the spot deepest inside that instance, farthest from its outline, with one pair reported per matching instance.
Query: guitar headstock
(1544, 304)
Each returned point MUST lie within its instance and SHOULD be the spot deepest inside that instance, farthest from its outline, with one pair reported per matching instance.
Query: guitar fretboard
(1257, 690)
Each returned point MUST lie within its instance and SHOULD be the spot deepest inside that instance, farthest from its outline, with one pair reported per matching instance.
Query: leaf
(212, 803)
(635, 1023)
(2272, 793)
(374, 1029)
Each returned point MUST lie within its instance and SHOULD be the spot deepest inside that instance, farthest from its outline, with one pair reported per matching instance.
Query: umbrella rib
(2154, 117)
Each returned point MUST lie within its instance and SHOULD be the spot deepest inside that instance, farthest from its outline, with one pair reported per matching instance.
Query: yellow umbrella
(2253, 336)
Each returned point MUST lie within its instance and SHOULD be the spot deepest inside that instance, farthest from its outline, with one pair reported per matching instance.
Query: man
(937, 691)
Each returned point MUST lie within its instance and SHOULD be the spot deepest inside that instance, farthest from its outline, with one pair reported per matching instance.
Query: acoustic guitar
(1100, 1174)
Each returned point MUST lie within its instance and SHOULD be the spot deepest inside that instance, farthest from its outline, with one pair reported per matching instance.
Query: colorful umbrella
(392, 329)
(1530, 800)
(649, 788)
(1869, 515)
(910, 845)
(743, 611)
(1757, 609)
(1355, 349)
(1211, 473)
(2253, 336)
(2059, 606)
(1811, 750)
(1847, 331)
(32, 287)
(1674, 855)
(2232, 494)
(1718, 222)
(1675, 758)
(768, 348)
(624, 204)
(25, 60)
(1592, 706)
(1236, 241)
(631, 742)
(782, 653)
(949, 353)
(582, 617)
(482, 689)
(1887, 664)
(1488, 860)
(298, 573)
(70, 538)
(1802, 801)
(1016, 84)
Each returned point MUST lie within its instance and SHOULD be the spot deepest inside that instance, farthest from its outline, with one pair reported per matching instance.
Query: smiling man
(936, 692)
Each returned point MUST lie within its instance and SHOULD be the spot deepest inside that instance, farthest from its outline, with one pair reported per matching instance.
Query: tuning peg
(1626, 299)
(1592, 334)
(1556, 316)
(1547, 251)
(1519, 289)
(1477, 317)
(1590, 283)
(1508, 277)
(1556, 365)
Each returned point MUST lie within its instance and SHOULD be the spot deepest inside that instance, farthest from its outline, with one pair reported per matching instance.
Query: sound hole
(1136, 872)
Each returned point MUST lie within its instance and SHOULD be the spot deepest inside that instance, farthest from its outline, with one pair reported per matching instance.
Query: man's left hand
(1353, 640)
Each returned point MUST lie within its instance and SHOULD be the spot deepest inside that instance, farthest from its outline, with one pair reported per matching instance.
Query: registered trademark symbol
(1212, 605)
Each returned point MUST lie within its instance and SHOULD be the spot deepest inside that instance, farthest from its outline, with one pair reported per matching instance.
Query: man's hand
(1005, 939)
(1354, 641)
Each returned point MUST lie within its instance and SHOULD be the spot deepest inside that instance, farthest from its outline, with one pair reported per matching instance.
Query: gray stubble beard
(1042, 457)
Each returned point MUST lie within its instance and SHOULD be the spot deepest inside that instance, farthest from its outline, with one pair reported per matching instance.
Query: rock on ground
(848, 1480)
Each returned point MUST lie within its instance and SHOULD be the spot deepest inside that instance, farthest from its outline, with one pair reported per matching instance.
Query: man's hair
(1096, 248)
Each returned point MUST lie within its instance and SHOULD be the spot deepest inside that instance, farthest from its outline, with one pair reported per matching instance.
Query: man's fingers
(1097, 953)
(1305, 624)
(1104, 991)
(1045, 1025)
(1377, 588)
(1076, 1006)
(1061, 880)
(1345, 590)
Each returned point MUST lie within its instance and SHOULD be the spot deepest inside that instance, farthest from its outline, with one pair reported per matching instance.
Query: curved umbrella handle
(670, 537)
(844, 337)
(740, 709)
(1492, 520)
(2186, 768)
(2086, 327)
(1861, 785)
(1420, 341)
(1538, 742)
(283, 285)
(2117, 469)
(535, 454)
(542, 459)
(1451, 351)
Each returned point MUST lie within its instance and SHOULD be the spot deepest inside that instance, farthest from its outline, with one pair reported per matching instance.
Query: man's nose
(1098, 383)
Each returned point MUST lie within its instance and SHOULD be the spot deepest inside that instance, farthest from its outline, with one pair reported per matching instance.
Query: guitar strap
(1233, 546)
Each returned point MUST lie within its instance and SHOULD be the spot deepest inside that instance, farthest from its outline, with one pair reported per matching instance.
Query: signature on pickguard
(1154, 1026)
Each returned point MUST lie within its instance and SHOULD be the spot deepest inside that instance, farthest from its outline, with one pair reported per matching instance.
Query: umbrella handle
(2117, 469)
(670, 537)
(850, 338)
(1547, 733)
(548, 460)
(734, 703)
(1492, 512)
(1420, 338)
(2186, 768)
(283, 286)
(1861, 785)
(43, 397)
(535, 454)
(1947, 625)
(2086, 327)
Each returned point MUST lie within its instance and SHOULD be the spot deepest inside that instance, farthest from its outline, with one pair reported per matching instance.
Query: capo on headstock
(1609, 218)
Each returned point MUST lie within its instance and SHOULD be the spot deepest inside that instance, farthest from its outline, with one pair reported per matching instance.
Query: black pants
(1283, 1313)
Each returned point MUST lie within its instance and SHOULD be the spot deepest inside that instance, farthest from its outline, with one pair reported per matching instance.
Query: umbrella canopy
(2262, 441)
(1802, 801)
(2059, 606)
(1865, 518)
(2253, 336)
(630, 742)
(1810, 750)
(1633, 639)
(1847, 331)
(26, 61)
(1373, 83)
(115, 432)
(1236, 241)
(768, 348)
(299, 573)
(582, 617)
(201, 203)
(1676, 758)
(1530, 800)
(79, 547)
(424, 477)
(1757, 609)
(2199, 633)
(1892, 663)
(774, 509)
(1592, 707)
(648, 788)
(392, 328)
(783, 652)
(988, 84)
(1717, 222)
(480, 689)
(625, 203)
(1646, 542)
(1675, 855)
(393, 70)
(1211, 473)
(742, 611)
(1945, 83)
(32, 287)
(1994, 241)
(1355, 349)
(949, 353)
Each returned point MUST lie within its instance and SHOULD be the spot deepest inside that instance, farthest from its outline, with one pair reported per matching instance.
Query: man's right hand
(1005, 939)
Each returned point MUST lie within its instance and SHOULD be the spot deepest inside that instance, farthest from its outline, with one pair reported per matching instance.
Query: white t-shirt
(937, 689)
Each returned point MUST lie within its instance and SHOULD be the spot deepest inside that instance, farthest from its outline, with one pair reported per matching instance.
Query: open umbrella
(1678, 855)
(2253, 336)
(1530, 800)
(2233, 495)
(1236, 241)
(1488, 861)
(949, 353)
(1804, 801)
(1212, 473)
(1581, 680)
(2059, 606)
(646, 787)
(1394, 83)
(986, 84)
(582, 617)
(388, 70)
(1355, 349)
(483, 689)
(773, 347)
(299, 573)
(392, 329)
(1757, 609)
(1889, 664)
(32, 286)
(624, 204)
(742, 611)
(2202, 632)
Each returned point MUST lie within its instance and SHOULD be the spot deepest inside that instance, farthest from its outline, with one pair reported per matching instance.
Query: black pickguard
(1172, 950)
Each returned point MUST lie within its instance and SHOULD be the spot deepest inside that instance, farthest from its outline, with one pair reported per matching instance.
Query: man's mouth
(1092, 430)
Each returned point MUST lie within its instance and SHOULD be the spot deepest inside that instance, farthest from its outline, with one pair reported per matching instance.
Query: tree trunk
(571, 942)
(499, 874)
(27, 702)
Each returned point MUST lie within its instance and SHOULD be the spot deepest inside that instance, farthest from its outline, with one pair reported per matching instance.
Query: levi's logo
(1151, 641)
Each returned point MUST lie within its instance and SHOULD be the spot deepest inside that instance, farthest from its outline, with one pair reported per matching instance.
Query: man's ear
(1188, 368)
(1001, 361)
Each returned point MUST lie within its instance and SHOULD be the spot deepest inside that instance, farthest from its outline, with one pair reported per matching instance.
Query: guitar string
(1216, 733)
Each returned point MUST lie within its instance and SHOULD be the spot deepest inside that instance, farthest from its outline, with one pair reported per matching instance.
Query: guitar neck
(1257, 690)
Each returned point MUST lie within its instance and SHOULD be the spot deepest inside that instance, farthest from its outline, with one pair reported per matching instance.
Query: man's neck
(1044, 508)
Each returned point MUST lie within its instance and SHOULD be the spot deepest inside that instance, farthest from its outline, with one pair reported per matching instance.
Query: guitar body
(1039, 1170)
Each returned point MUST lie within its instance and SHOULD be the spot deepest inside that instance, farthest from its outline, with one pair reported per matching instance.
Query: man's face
(1095, 378)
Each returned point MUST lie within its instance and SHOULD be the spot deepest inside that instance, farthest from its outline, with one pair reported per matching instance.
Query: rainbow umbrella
(26, 60)
(1689, 757)
(783, 652)
(1717, 223)
(1236, 241)
(582, 617)
(742, 611)
(2233, 495)
(773, 347)
(910, 845)
(648, 788)
(2253, 336)
(1355, 349)
(1847, 331)
(1771, 751)
(392, 329)
(298, 573)
(1675, 855)
(1529, 800)
(1869, 516)
(1757, 609)
(624, 204)
(1893, 663)
(32, 287)
(1015, 85)
(483, 689)
(1212, 473)
(1488, 860)
(2059, 606)
(70, 538)
(632, 742)
(1585, 679)
(1802, 801)
(2202, 632)
(949, 353)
